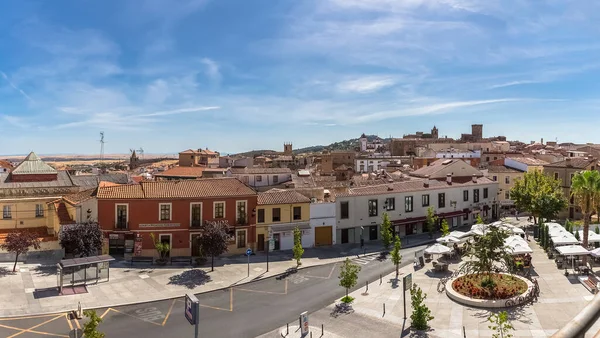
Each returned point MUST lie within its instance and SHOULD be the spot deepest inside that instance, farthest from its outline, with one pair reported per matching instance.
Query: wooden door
(323, 236)
(261, 242)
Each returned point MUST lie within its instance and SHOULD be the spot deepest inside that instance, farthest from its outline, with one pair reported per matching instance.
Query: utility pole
(101, 146)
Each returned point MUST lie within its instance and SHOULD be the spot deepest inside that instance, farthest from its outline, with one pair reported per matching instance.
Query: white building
(359, 212)
(322, 222)
(372, 164)
(458, 153)
(262, 177)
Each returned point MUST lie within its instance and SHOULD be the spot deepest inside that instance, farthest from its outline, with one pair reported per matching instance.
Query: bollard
(322, 330)
(380, 279)
(367, 282)
(464, 332)
(383, 309)
(310, 334)
(287, 328)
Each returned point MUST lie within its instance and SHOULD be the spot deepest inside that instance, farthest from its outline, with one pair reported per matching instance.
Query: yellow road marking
(77, 323)
(168, 313)
(27, 317)
(321, 277)
(214, 308)
(36, 326)
(231, 299)
(268, 292)
(132, 316)
(68, 321)
(33, 331)
(105, 312)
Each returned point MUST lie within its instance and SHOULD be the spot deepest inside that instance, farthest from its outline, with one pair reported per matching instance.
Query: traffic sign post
(192, 311)
(407, 284)
(248, 253)
(304, 323)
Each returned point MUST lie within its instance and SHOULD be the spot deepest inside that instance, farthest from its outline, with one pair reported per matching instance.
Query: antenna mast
(101, 146)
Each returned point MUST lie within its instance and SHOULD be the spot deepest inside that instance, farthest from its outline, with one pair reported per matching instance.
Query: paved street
(241, 311)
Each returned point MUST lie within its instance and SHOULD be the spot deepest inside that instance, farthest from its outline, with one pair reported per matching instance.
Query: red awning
(451, 214)
(409, 220)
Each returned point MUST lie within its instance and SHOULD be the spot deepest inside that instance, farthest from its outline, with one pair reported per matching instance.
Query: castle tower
(477, 131)
(434, 132)
(287, 149)
(363, 142)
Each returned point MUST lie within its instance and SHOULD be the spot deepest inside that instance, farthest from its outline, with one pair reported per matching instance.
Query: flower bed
(503, 286)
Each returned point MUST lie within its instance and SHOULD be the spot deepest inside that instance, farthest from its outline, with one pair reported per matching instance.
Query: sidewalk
(23, 291)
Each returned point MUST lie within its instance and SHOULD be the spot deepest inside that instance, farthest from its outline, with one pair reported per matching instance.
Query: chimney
(449, 178)
(474, 178)
(426, 181)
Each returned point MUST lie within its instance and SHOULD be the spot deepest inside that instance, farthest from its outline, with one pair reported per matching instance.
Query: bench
(181, 260)
(591, 283)
(142, 259)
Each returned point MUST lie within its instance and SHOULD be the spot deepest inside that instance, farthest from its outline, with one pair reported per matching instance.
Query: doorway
(276, 239)
(409, 229)
(166, 238)
(344, 236)
(195, 239)
(261, 242)
(571, 212)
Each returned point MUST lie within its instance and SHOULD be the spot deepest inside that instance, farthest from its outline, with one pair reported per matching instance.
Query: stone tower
(134, 161)
(434, 132)
(287, 149)
(363, 142)
(477, 131)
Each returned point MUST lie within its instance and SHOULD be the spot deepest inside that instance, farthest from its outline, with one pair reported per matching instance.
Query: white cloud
(22, 92)
(513, 83)
(212, 70)
(15, 121)
(367, 84)
(180, 111)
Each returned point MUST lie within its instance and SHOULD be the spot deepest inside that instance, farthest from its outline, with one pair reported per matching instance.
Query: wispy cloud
(179, 111)
(365, 84)
(15, 87)
(513, 83)
(15, 121)
(212, 70)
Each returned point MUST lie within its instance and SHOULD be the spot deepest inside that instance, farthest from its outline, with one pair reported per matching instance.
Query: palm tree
(585, 188)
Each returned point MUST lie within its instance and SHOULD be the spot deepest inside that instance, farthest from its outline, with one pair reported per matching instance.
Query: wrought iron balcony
(122, 224)
(196, 223)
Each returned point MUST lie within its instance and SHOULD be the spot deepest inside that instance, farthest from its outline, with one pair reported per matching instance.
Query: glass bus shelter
(83, 271)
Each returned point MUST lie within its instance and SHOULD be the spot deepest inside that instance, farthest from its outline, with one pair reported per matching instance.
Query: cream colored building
(506, 177)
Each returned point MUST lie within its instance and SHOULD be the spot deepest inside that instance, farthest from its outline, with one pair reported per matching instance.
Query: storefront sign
(223, 222)
(160, 225)
(407, 282)
(113, 236)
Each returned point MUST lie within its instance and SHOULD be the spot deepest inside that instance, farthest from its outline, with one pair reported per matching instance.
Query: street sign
(191, 308)
(248, 252)
(407, 282)
(304, 323)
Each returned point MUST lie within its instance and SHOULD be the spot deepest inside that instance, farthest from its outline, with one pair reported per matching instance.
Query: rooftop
(278, 196)
(208, 187)
(241, 171)
(63, 179)
(572, 162)
(92, 181)
(502, 169)
(409, 186)
(81, 196)
(441, 167)
(189, 172)
(529, 160)
(33, 165)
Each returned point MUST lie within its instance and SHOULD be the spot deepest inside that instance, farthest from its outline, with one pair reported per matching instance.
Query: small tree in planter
(298, 249)
(386, 231)
(90, 328)
(430, 221)
(577, 237)
(500, 324)
(214, 241)
(396, 256)
(421, 314)
(162, 249)
(445, 228)
(348, 278)
(19, 243)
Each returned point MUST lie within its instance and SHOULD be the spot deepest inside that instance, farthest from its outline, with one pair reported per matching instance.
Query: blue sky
(236, 75)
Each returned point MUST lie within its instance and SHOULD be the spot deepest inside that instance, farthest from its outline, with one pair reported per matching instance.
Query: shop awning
(452, 214)
(409, 220)
(290, 226)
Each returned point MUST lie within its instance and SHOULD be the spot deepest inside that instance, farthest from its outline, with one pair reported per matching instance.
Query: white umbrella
(520, 248)
(514, 240)
(592, 236)
(458, 234)
(448, 239)
(564, 240)
(572, 250)
(595, 252)
(516, 230)
(557, 231)
(479, 229)
(437, 249)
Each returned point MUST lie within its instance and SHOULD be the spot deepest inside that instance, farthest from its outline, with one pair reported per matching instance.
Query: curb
(196, 293)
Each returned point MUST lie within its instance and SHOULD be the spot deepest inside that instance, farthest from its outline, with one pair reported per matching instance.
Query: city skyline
(239, 76)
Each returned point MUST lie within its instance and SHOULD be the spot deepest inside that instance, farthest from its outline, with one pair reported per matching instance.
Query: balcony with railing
(121, 224)
(196, 223)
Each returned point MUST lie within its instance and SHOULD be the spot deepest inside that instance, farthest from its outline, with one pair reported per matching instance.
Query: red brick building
(175, 211)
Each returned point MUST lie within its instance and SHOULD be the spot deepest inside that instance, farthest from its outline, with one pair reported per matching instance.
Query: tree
(480, 220)
(445, 228)
(396, 257)
(538, 194)
(162, 248)
(568, 225)
(19, 243)
(348, 277)
(81, 240)
(500, 324)
(213, 242)
(386, 231)
(585, 189)
(298, 249)
(430, 221)
(90, 328)
(597, 230)
(420, 313)
(577, 235)
(488, 252)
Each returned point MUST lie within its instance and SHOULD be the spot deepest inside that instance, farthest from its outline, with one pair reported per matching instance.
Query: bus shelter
(83, 270)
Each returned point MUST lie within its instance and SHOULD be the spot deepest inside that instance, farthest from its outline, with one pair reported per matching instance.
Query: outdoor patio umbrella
(564, 240)
(572, 250)
(459, 234)
(592, 236)
(479, 229)
(558, 231)
(595, 252)
(516, 230)
(448, 239)
(520, 248)
(437, 249)
(514, 240)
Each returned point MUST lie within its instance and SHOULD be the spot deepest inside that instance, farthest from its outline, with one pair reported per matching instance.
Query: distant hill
(341, 145)
(253, 153)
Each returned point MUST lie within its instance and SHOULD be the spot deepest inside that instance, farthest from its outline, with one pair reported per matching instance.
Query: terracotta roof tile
(81, 196)
(572, 162)
(529, 161)
(408, 186)
(209, 187)
(260, 171)
(502, 169)
(194, 172)
(276, 196)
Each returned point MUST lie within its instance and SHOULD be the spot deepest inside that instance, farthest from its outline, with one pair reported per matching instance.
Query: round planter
(484, 303)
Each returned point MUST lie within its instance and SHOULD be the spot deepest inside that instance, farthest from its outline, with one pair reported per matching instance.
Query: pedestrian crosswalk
(365, 260)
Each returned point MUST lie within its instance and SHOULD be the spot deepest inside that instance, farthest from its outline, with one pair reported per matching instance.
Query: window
(555, 176)
(196, 214)
(408, 204)
(39, 210)
(485, 193)
(240, 212)
(297, 213)
(245, 179)
(372, 208)
(441, 200)
(465, 217)
(258, 178)
(241, 238)
(275, 179)
(572, 178)
(276, 214)
(165, 211)
(345, 210)
(219, 210)
(475, 195)
(390, 203)
(507, 195)
(373, 233)
(507, 179)
(495, 178)
(6, 212)
(487, 159)
(485, 213)
(122, 217)
(465, 195)
(261, 216)
(425, 200)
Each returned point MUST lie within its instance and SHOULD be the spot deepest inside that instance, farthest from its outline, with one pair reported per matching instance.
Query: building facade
(175, 211)
(506, 177)
(323, 223)
(262, 177)
(278, 213)
(334, 159)
(359, 212)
